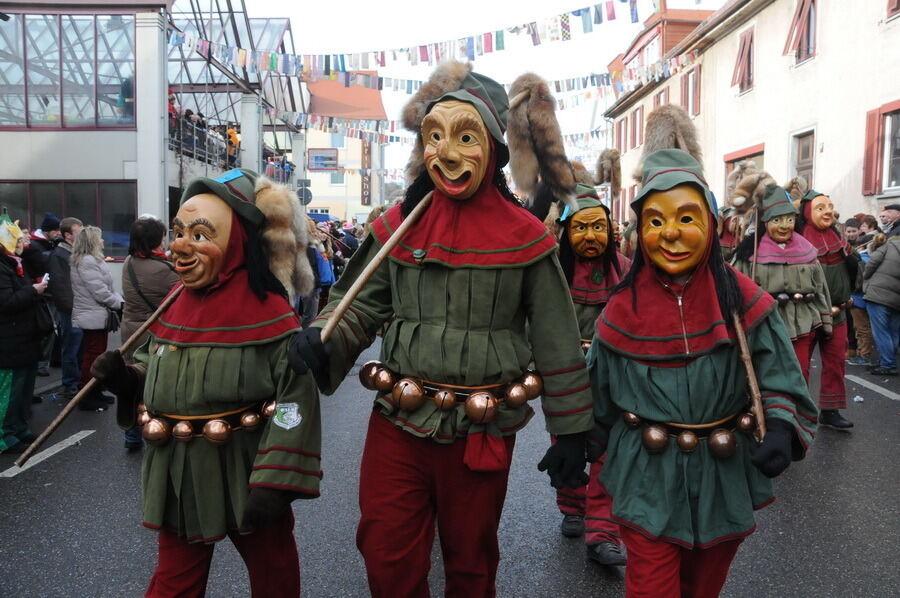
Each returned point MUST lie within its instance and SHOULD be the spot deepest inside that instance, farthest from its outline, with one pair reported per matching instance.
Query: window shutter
(798, 26)
(656, 100)
(893, 7)
(695, 109)
(666, 97)
(872, 156)
(641, 126)
(739, 63)
(684, 91)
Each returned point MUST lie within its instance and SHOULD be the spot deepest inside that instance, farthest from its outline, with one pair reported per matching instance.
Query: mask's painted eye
(435, 136)
(598, 228)
(656, 222)
(686, 219)
(466, 138)
(198, 237)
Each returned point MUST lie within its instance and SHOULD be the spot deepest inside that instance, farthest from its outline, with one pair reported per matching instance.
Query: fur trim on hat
(581, 173)
(750, 190)
(669, 127)
(535, 141)
(609, 170)
(285, 236)
(446, 77)
(742, 169)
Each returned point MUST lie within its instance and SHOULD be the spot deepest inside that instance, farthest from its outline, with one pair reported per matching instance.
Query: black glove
(110, 370)
(773, 455)
(264, 506)
(307, 352)
(564, 461)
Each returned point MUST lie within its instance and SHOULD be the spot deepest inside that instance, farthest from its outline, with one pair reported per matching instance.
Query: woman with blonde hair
(93, 297)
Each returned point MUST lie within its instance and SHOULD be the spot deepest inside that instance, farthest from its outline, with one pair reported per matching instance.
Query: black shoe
(880, 371)
(133, 445)
(93, 403)
(833, 419)
(43, 371)
(109, 397)
(606, 553)
(35, 399)
(572, 526)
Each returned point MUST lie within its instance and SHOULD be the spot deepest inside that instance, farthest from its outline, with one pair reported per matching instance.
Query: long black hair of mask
(727, 291)
(423, 184)
(749, 244)
(256, 260)
(567, 255)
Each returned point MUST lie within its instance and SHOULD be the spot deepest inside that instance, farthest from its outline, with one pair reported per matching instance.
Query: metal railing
(202, 144)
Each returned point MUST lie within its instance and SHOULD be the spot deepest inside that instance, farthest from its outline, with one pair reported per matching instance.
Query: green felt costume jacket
(466, 326)
(694, 499)
(198, 489)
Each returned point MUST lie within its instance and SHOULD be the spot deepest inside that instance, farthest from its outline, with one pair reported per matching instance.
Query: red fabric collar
(592, 286)
(226, 313)
(660, 329)
(825, 241)
(484, 231)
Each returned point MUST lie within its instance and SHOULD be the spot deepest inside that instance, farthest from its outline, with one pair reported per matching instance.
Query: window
(804, 155)
(318, 210)
(743, 66)
(337, 177)
(801, 40)
(621, 133)
(661, 98)
(754, 153)
(881, 161)
(68, 71)
(690, 91)
(893, 8)
(111, 205)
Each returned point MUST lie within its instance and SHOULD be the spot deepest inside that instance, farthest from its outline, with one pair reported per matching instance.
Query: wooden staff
(755, 396)
(93, 381)
(372, 266)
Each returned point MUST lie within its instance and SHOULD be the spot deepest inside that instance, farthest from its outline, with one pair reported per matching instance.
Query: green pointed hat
(585, 197)
(236, 187)
(776, 202)
(668, 168)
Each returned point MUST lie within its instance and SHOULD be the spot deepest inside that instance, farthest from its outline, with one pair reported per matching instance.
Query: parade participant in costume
(471, 312)
(816, 222)
(593, 267)
(234, 431)
(736, 216)
(784, 264)
(670, 392)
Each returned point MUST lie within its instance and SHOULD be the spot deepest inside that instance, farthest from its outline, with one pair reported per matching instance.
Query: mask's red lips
(184, 265)
(454, 186)
(675, 257)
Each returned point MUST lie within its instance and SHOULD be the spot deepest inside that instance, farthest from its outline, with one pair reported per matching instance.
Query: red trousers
(405, 484)
(832, 352)
(270, 555)
(594, 503)
(658, 569)
(94, 345)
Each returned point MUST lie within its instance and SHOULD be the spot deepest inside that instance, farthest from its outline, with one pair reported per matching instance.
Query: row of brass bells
(156, 431)
(408, 394)
(374, 376)
(655, 439)
(444, 399)
(721, 443)
(687, 441)
(481, 407)
(783, 298)
(746, 422)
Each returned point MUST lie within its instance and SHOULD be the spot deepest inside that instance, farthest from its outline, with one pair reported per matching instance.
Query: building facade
(809, 87)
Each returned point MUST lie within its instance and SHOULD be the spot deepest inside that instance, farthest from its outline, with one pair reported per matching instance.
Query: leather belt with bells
(785, 298)
(480, 402)
(216, 428)
(719, 434)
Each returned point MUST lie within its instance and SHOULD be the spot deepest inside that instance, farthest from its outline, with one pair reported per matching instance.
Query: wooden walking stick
(755, 396)
(372, 266)
(93, 381)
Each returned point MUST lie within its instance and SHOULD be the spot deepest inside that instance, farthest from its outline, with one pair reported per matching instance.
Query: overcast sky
(343, 27)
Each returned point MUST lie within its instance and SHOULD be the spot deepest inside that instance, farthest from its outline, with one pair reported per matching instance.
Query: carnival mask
(589, 232)
(457, 148)
(821, 212)
(201, 230)
(675, 229)
(780, 228)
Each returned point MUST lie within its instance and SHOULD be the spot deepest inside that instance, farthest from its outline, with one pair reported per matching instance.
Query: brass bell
(250, 420)
(216, 431)
(632, 420)
(367, 374)
(408, 394)
(268, 410)
(687, 441)
(835, 311)
(798, 297)
(809, 297)
(156, 432)
(533, 383)
(143, 418)
(746, 422)
(445, 399)
(183, 431)
(655, 439)
(481, 407)
(384, 380)
(783, 298)
(585, 346)
(516, 395)
(722, 443)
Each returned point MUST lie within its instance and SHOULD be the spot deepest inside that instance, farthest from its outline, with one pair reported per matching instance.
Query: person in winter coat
(60, 288)
(881, 286)
(147, 277)
(92, 293)
(21, 329)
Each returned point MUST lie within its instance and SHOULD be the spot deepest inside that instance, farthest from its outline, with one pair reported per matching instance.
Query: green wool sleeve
(369, 310)
(288, 456)
(822, 301)
(606, 413)
(556, 346)
(785, 394)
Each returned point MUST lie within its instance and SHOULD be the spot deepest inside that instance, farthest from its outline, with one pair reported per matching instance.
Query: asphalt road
(70, 525)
